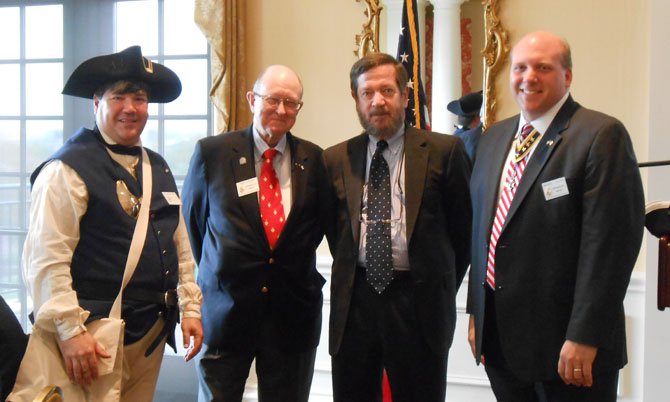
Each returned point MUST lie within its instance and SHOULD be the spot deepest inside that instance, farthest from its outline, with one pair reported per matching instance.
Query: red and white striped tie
(514, 172)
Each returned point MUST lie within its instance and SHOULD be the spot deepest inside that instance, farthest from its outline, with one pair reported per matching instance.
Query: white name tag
(248, 186)
(171, 198)
(555, 188)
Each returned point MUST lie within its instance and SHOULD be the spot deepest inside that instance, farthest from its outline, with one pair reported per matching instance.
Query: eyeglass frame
(398, 183)
(274, 102)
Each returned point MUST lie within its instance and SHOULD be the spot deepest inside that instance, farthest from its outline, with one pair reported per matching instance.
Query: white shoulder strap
(139, 235)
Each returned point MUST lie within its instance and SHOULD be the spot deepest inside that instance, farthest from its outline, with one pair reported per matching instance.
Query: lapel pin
(300, 166)
(243, 161)
(550, 142)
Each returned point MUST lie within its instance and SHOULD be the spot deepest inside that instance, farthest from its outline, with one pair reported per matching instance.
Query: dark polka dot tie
(378, 255)
(272, 210)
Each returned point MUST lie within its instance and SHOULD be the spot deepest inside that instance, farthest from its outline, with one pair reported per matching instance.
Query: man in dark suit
(251, 199)
(395, 274)
(557, 229)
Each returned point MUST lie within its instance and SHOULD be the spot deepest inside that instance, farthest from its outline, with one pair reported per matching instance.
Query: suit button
(152, 216)
(167, 272)
(271, 261)
(499, 287)
(264, 289)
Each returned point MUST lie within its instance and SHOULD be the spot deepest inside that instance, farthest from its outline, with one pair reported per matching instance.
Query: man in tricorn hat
(85, 203)
(469, 127)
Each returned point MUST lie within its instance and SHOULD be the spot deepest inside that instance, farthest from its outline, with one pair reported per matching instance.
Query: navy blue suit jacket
(243, 281)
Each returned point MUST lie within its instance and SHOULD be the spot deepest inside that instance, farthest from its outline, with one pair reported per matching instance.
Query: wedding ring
(577, 370)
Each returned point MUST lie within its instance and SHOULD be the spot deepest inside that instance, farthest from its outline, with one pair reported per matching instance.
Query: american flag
(416, 113)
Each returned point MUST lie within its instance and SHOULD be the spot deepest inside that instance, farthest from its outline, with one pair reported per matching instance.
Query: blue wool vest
(106, 231)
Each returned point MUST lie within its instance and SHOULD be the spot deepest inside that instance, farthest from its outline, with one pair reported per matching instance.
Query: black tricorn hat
(164, 85)
(657, 222)
(466, 105)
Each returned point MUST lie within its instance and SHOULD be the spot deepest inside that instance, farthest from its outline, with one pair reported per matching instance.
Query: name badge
(246, 187)
(172, 198)
(555, 188)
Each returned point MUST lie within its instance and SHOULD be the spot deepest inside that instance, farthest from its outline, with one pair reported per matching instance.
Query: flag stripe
(414, 38)
(409, 55)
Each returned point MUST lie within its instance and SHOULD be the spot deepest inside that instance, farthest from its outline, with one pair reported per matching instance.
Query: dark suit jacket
(438, 216)
(243, 281)
(562, 265)
(471, 139)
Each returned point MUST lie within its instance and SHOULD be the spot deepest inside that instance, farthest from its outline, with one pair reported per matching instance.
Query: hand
(472, 340)
(191, 328)
(80, 356)
(576, 363)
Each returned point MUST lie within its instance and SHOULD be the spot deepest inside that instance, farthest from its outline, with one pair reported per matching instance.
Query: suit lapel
(298, 184)
(416, 165)
(494, 162)
(548, 143)
(243, 167)
(354, 179)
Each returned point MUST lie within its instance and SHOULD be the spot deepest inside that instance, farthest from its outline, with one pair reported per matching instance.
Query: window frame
(88, 31)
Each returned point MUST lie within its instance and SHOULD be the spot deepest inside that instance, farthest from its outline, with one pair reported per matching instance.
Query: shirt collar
(261, 146)
(395, 142)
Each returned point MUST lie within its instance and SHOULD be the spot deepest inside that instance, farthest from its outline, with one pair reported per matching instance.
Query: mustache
(379, 112)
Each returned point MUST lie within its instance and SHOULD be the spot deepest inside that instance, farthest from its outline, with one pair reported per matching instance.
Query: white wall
(657, 324)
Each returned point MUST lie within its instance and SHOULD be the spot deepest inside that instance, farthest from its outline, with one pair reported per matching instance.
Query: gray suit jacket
(562, 264)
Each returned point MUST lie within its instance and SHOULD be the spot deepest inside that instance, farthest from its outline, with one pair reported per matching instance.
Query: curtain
(222, 23)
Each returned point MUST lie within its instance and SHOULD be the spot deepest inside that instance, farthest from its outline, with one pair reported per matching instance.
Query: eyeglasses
(273, 102)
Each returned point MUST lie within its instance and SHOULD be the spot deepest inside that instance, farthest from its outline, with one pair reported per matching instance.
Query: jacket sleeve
(611, 235)
(195, 201)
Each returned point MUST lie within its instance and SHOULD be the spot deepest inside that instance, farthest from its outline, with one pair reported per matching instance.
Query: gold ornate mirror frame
(368, 40)
(494, 54)
(496, 48)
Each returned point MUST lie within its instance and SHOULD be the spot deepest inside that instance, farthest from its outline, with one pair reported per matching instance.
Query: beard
(385, 132)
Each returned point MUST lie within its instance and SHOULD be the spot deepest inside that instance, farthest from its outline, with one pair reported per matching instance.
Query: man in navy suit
(256, 251)
(559, 215)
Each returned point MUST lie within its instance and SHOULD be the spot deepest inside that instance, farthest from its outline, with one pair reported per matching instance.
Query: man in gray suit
(397, 263)
(557, 229)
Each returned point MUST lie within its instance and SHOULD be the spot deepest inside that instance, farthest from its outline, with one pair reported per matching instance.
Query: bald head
(552, 40)
(278, 74)
(275, 102)
(541, 72)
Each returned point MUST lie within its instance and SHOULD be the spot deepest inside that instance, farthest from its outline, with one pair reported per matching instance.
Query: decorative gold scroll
(495, 53)
(368, 40)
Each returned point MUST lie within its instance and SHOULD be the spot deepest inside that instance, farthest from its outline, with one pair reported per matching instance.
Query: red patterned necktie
(272, 210)
(514, 172)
